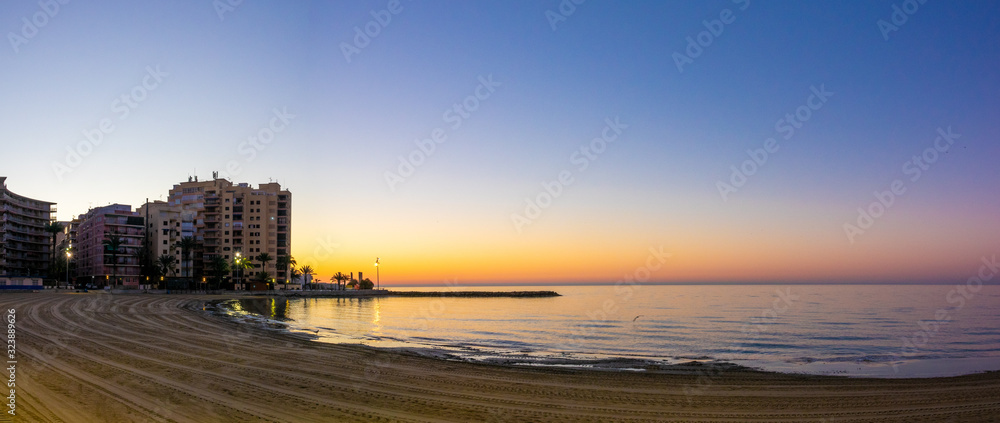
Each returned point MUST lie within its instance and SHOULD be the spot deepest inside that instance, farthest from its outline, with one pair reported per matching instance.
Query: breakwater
(388, 293)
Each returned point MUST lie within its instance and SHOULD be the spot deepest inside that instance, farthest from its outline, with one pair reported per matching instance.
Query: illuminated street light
(69, 255)
(239, 268)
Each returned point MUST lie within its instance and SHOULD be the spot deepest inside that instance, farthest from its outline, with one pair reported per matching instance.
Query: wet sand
(94, 357)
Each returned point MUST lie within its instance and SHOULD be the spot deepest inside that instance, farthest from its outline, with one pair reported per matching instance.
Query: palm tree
(220, 267)
(284, 263)
(147, 263)
(54, 228)
(307, 271)
(293, 274)
(166, 265)
(263, 258)
(113, 243)
(340, 278)
(186, 244)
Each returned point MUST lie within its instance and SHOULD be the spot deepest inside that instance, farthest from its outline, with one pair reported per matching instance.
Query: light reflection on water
(845, 329)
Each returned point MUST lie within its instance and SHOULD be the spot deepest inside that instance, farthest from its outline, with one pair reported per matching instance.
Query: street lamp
(239, 268)
(68, 256)
(378, 284)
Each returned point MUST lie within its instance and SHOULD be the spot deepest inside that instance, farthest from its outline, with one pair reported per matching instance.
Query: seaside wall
(7, 283)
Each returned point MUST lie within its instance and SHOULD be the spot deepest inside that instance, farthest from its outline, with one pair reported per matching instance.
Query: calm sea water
(881, 330)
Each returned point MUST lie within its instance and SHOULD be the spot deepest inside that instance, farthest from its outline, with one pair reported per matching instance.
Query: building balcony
(31, 240)
(38, 222)
(27, 231)
(18, 247)
(27, 207)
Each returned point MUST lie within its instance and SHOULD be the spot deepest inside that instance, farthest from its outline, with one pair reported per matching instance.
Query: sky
(534, 142)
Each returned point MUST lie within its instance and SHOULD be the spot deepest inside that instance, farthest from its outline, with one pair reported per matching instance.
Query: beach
(95, 357)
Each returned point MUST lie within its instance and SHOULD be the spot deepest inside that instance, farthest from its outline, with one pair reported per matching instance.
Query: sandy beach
(93, 357)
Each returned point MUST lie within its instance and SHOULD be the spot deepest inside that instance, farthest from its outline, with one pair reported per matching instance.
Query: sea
(891, 331)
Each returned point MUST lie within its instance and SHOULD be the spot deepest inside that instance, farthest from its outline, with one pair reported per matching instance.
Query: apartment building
(96, 261)
(166, 226)
(227, 218)
(24, 244)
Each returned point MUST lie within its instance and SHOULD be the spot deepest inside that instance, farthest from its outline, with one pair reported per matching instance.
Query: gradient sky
(655, 187)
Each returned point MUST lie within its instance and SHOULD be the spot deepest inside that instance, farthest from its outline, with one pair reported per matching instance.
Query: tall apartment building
(24, 244)
(95, 260)
(166, 226)
(227, 218)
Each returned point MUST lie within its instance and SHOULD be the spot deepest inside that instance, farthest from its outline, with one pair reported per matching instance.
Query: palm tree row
(340, 278)
(347, 281)
(217, 267)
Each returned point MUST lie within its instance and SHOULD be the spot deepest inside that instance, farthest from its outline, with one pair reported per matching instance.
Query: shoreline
(92, 357)
(476, 353)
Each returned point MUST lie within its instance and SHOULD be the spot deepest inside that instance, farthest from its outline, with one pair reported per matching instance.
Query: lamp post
(238, 268)
(378, 284)
(68, 256)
